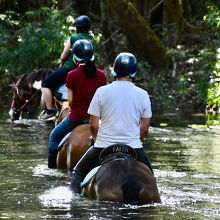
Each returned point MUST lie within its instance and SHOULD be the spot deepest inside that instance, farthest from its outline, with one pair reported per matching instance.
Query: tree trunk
(140, 6)
(139, 34)
(173, 20)
(106, 32)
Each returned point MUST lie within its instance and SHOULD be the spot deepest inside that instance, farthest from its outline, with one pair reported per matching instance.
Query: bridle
(26, 101)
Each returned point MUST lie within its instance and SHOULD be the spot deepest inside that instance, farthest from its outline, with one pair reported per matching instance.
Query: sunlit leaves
(213, 18)
(37, 42)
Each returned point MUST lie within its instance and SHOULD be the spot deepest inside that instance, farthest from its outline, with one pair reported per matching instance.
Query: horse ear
(18, 82)
(38, 75)
(41, 74)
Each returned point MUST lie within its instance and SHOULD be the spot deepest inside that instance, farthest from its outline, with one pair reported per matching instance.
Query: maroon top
(83, 91)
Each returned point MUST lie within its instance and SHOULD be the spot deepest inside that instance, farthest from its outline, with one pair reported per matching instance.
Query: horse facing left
(27, 93)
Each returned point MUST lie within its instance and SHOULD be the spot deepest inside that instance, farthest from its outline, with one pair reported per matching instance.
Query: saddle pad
(89, 176)
(63, 141)
(61, 93)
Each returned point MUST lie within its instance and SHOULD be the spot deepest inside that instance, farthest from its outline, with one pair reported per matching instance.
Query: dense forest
(177, 44)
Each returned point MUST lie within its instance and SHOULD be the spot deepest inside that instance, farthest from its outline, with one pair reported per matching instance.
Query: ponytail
(90, 69)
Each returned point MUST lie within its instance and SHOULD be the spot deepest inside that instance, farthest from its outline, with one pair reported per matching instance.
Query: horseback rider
(58, 77)
(81, 84)
(124, 110)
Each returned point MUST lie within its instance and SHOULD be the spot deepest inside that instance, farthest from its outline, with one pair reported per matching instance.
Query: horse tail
(131, 190)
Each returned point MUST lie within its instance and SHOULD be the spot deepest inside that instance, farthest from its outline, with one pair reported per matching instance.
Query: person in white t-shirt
(125, 112)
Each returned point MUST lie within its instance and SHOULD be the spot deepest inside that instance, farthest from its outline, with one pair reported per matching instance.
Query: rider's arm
(94, 126)
(66, 51)
(144, 126)
(70, 96)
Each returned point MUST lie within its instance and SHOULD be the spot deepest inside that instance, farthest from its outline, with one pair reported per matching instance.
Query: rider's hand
(92, 141)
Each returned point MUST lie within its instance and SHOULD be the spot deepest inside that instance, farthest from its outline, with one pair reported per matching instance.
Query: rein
(27, 101)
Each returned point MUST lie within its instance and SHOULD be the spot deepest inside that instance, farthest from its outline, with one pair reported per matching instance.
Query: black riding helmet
(83, 50)
(125, 65)
(83, 22)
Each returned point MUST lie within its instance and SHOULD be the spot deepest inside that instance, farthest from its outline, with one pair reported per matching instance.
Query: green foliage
(213, 119)
(213, 18)
(213, 96)
(154, 83)
(35, 41)
(195, 83)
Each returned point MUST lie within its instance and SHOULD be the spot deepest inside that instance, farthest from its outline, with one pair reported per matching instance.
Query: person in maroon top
(81, 84)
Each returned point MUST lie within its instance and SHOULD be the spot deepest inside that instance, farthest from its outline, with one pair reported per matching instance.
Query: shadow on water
(185, 160)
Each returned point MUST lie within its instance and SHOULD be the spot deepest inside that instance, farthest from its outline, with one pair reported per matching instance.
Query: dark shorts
(56, 79)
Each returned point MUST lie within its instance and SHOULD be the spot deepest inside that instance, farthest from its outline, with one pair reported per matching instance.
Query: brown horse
(27, 97)
(122, 178)
(62, 108)
(78, 142)
(27, 93)
(74, 148)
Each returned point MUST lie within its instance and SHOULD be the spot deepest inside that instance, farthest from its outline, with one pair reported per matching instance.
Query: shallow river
(186, 162)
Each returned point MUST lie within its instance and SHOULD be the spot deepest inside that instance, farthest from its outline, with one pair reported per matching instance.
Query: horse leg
(79, 143)
(62, 156)
(29, 113)
(89, 190)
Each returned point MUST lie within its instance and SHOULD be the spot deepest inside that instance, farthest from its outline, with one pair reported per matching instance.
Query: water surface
(186, 162)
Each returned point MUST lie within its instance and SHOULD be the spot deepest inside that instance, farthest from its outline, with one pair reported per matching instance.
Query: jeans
(56, 78)
(58, 133)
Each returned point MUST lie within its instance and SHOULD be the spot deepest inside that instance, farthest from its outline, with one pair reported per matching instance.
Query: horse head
(27, 93)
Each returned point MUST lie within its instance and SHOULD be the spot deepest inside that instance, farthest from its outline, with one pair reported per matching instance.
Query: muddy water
(186, 162)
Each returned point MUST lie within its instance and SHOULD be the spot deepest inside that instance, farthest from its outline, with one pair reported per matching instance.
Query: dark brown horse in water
(27, 97)
(27, 93)
(121, 178)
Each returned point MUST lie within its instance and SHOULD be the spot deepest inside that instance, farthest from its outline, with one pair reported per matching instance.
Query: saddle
(113, 152)
(117, 151)
(61, 93)
(63, 141)
(66, 137)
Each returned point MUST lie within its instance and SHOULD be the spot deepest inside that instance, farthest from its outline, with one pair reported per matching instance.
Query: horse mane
(28, 79)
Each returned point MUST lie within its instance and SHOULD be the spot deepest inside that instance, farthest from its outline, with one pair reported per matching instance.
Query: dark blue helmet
(125, 65)
(83, 22)
(83, 50)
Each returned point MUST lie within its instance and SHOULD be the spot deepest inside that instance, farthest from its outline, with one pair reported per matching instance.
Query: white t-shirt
(120, 105)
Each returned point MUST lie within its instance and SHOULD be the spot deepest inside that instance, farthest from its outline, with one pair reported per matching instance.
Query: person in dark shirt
(58, 77)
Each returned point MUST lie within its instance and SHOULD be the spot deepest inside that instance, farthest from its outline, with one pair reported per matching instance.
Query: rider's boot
(52, 159)
(75, 182)
(85, 164)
